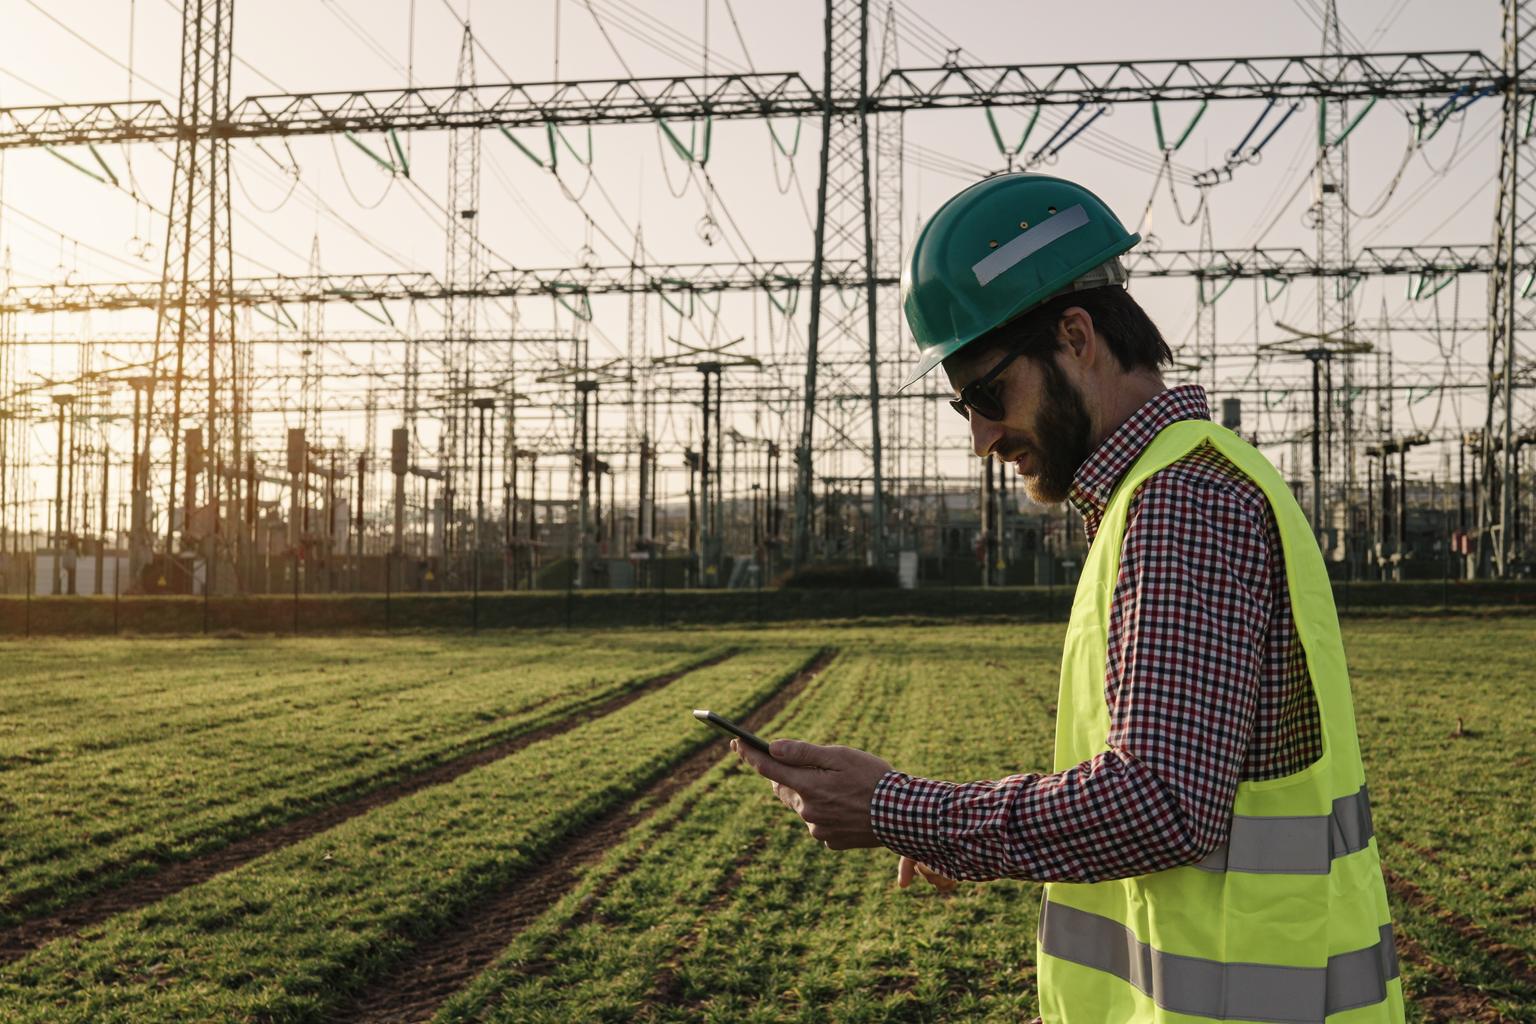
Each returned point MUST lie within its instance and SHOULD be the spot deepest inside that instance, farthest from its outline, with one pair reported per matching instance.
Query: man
(1205, 836)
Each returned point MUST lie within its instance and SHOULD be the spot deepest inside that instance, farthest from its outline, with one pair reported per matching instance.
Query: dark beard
(1063, 427)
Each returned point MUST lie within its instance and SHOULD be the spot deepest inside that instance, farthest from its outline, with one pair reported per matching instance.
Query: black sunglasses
(980, 395)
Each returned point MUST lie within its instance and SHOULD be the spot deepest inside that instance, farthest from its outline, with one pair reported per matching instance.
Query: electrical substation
(690, 400)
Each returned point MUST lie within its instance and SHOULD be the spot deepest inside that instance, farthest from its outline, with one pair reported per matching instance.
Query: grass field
(528, 827)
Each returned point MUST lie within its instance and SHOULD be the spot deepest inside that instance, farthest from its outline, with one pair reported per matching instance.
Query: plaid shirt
(1205, 680)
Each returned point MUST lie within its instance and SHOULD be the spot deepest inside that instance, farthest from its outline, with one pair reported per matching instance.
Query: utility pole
(691, 457)
(533, 522)
(709, 542)
(1317, 355)
(298, 471)
(642, 536)
(101, 546)
(399, 465)
(584, 391)
(484, 404)
(62, 403)
(362, 485)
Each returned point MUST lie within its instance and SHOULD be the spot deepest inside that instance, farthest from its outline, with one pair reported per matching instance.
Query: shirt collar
(1096, 478)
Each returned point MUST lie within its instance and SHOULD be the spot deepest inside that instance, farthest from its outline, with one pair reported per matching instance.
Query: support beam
(778, 276)
(1355, 75)
(779, 94)
(504, 105)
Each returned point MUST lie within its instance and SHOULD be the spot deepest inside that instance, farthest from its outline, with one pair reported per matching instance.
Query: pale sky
(57, 223)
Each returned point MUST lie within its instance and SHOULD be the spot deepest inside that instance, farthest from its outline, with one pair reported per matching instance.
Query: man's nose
(985, 434)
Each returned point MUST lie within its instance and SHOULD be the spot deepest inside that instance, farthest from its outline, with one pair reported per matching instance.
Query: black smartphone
(730, 728)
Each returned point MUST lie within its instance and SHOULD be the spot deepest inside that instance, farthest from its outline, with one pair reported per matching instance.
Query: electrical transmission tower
(844, 231)
(889, 173)
(1512, 223)
(463, 271)
(1335, 318)
(199, 259)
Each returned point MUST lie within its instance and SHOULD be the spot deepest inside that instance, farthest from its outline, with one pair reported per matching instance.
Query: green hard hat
(999, 248)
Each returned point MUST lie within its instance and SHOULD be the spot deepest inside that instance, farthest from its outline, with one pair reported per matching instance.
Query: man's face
(1045, 432)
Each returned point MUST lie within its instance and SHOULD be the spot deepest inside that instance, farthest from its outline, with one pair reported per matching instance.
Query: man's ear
(1074, 332)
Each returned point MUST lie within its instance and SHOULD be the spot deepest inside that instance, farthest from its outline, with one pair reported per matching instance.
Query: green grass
(718, 907)
(755, 922)
(198, 744)
(1453, 813)
(805, 935)
(286, 936)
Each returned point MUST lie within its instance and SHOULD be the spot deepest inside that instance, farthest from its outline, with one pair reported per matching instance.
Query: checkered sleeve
(1188, 617)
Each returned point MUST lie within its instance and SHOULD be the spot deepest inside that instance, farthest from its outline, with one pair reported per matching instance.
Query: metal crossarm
(779, 94)
(603, 101)
(1360, 75)
(80, 123)
(773, 276)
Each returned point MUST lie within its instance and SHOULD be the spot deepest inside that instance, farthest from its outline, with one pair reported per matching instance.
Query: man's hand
(909, 869)
(829, 787)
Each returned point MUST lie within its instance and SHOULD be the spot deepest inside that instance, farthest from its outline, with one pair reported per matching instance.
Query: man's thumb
(799, 752)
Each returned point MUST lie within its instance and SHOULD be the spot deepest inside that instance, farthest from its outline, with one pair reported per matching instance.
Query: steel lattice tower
(844, 231)
(1512, 221)
(1335, 295)
(199, 262)
(463, 271)
(889, 167)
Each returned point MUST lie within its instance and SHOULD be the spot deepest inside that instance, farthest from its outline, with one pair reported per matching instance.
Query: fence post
(295, 593)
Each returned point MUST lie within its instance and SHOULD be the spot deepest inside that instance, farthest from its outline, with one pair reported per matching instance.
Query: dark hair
(1132, 337)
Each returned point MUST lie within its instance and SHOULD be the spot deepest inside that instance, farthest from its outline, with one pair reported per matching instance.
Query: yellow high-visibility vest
(1288, 920)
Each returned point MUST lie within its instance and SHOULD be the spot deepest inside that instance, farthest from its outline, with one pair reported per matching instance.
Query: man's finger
(940, 881)
(904, 873)
(776, 770)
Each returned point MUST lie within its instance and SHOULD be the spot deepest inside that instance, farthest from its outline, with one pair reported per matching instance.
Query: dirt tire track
(1509, 957)
(415, 988)
(18, 940)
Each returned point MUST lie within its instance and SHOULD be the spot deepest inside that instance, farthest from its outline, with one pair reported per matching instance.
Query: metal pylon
(889, 167)
(463, 272)
(1511, 225)
(1335, 295)
(200, 328)
(844, 231)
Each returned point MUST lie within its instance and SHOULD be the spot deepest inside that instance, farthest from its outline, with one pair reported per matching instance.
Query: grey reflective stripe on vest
(1295, 846)
(1216, 990)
